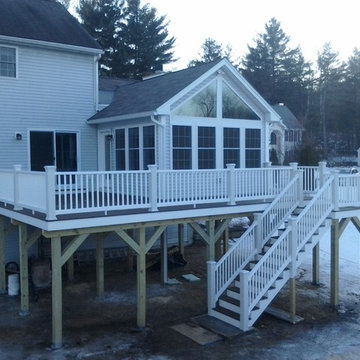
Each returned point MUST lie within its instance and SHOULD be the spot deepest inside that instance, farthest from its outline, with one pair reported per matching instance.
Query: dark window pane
(120, 159)
(252, 138)
(149, 157)
(148, 136)
(7, 61)
(206, 159)
(181, 158)
(66, 154)
(252, 158)
(231, 138)
(133, 138)
(120, 139)
(232, 156)
(181, 136)
(134, 159)
(206, 137)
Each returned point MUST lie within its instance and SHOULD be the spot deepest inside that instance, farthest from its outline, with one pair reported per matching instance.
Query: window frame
(16, 62)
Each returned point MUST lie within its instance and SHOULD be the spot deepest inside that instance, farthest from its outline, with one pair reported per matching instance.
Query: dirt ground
(106, 328)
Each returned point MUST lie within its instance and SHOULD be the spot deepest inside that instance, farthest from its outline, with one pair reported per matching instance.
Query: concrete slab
(190, 277)
(197, 333)
(172, 282)
(283, 315)
(217, 326)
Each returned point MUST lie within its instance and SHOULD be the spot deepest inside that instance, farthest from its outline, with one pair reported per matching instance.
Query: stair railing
(255, 283)
(224, 272)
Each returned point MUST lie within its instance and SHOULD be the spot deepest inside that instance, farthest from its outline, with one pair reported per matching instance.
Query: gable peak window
(7, 61)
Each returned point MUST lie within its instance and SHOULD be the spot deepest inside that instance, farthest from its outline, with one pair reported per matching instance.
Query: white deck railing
(224, 272)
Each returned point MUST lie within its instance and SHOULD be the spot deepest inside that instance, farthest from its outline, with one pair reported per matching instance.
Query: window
(148, 146)
(7, 61)
(235, 108)
(134, 163)
(273, 139)
(120, 149)
(181, 137)
(206, 148)
(252, 148)
(232, 146)
(201, 105)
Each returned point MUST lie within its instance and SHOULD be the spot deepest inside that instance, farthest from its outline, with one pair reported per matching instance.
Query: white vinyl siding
(55, 91)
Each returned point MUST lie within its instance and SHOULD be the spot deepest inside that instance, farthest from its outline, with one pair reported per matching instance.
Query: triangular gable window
(201, 105)
(235, 108)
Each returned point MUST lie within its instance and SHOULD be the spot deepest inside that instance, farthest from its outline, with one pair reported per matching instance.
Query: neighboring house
(48, 87)
(285, 137)
(202, 117)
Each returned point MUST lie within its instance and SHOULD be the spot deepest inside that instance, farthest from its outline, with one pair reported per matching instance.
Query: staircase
(248, 277)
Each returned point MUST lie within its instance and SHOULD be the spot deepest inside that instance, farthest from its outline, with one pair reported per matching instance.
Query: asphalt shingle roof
(148, 95)
(288, 118)
(44, 20)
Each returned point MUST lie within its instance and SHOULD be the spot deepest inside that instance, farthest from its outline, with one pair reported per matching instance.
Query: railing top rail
(101, 172)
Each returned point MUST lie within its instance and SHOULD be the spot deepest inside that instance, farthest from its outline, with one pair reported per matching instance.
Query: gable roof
(287, 117)
(112, 83)
(147, 95)
(42, 20)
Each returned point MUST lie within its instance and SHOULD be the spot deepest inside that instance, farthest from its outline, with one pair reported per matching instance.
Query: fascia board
(49, 45)
(120, 118)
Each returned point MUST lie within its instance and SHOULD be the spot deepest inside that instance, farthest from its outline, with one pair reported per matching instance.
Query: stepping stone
(191, 277)
(197, 333)
(172, 282)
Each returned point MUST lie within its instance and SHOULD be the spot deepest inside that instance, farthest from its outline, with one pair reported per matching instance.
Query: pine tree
(146, 40)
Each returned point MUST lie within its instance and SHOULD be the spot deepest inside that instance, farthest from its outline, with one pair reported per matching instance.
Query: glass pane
(252, 158)
(148, 136)
(234, 107)
(120, 139)
(206, 159)
(120, 159)
(201, 105)
(133, 138)
(149, 157)
(252, 138)
(181, 158)
(41, 149)
(7, 61)
(231, 138)
(66, 154)
(206, 137)
(134, 159)
(181, 136)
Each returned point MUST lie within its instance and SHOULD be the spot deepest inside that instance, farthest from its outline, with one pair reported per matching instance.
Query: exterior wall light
(18, 136)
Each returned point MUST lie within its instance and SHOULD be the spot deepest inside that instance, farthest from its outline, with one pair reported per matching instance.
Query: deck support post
(70, 268)
(316, 265)
(164, 258)
(334, 264)
(56, 283)
(24, 270)
(100, 265)
(211, 242)
(226, 240)
(292, 300)
(218, 242)
(2, 256)
(141, 280)
(181, 238)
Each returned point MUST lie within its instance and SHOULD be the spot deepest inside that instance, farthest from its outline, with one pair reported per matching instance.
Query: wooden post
(70, 268)
(100, 265)
(56, 293)
(217, 243)
(292, 300)
(226, 240)
(141, 280)
(211, 244)
(181, 238)
(2, 256)
(24, 270)
(334, 264)
(164, 258)
(316, 265)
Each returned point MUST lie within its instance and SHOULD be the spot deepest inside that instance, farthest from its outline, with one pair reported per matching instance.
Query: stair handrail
(306, 225)
(315, 212)
(224, 272)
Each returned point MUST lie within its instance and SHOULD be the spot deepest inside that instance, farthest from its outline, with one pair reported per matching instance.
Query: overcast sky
(309, 23)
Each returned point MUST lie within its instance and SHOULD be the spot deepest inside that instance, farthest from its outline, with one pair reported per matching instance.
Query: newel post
(231, 183)
(293, 245)
(335, 190)
(322, 170)
(17, 169)
(301, 187)
(244, 300)
(153, 187)
(258, 232)
(50, 192)
(211, 288)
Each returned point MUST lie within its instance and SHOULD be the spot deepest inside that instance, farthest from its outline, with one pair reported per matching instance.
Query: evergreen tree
(146, 40)
(103, 20)
(211, 51)
(278, 72)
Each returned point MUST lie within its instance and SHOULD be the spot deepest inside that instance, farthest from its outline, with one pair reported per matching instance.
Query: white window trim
(16, 60)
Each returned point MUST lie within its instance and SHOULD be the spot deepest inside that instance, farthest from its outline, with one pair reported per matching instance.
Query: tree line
(324, 96)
